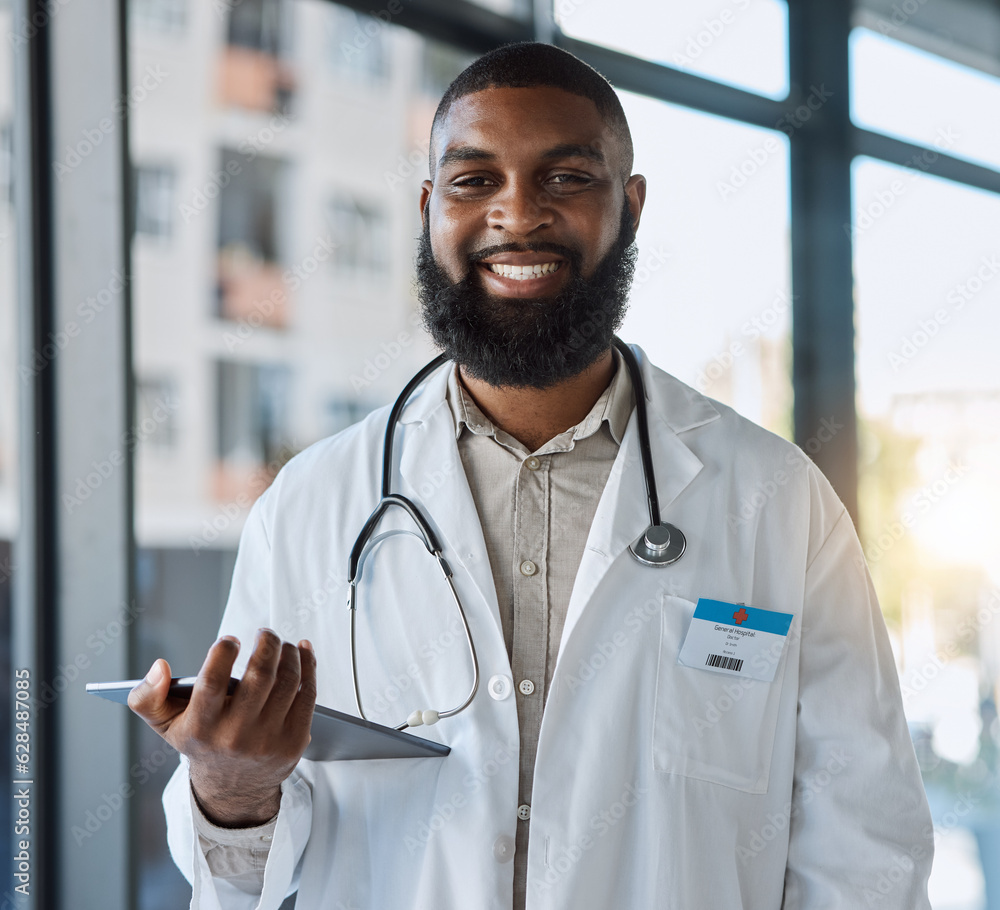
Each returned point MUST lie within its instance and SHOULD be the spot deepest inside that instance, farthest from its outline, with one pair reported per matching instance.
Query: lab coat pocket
(707, 725)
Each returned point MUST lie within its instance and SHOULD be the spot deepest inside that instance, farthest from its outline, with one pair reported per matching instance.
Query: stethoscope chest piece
(659, 545)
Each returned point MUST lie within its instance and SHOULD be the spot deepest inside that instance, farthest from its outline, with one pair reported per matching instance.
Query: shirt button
(503, 849)
(265, 837)
(500, 687)
(526, 687)
(532, 463)
(524, 812)
(528, 568)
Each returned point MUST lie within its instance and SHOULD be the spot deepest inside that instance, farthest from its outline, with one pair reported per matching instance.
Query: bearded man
(716, 725)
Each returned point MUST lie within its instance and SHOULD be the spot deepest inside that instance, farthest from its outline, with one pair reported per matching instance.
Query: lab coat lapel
(623, 513)
(434, 477)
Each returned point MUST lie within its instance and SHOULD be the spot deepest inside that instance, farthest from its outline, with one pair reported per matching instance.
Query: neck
(533, 416)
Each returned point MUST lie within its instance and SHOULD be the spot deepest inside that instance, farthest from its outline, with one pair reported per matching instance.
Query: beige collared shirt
(536, 509)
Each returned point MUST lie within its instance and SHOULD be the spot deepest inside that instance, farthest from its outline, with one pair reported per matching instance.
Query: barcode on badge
(726, 663)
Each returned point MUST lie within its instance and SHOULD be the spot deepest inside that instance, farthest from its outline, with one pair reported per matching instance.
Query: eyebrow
(566, 150)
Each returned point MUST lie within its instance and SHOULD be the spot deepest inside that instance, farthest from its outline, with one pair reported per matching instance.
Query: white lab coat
(656, 785)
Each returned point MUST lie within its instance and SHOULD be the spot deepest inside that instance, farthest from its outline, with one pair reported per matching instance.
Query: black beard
(527, 342)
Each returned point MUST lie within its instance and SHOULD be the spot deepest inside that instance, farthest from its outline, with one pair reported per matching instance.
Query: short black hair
(528, 64)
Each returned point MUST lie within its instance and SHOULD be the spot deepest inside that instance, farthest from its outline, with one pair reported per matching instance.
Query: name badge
(735, 639)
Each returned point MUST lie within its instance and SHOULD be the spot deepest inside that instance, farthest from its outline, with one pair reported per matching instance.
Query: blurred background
(208, 214)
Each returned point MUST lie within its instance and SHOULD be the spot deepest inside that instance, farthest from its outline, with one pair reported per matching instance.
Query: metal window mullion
(823, 368)
(75, 549)
(924, 158)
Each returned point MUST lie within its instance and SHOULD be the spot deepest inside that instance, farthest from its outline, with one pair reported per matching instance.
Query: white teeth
(521, 272)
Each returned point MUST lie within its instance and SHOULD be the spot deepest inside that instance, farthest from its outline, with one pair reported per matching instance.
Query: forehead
(522, 121)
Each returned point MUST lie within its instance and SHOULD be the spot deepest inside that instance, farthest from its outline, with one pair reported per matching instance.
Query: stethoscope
(659, 545)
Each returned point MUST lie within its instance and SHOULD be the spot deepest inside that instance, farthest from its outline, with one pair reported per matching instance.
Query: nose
(520, 209)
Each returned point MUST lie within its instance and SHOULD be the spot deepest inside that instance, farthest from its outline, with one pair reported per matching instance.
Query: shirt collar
(614, 407)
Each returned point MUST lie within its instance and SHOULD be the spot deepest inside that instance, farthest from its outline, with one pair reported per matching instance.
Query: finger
(299, 717)
(208, 697)
(150, 698)
(286, 685)
(258, 678)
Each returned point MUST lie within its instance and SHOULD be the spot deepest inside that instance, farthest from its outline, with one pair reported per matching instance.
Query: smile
(523, 272)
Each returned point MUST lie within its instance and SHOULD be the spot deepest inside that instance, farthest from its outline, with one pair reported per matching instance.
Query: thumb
(149, 698)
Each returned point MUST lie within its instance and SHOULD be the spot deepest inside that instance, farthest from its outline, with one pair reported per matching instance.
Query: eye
(568, 179)
(471, 182)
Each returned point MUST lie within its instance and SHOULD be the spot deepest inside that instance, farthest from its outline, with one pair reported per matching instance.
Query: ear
(425, 194)
(635, 197)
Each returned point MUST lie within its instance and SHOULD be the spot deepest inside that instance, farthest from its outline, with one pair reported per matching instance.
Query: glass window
(914, 95)
(156, 413)
(6, 175)
(166, 16)
(357, 51)
(739, 42)
(927, 266)
(154, 201)
(711, 301)
(360, 236)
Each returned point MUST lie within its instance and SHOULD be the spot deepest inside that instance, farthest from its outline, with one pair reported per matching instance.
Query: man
(597, 765)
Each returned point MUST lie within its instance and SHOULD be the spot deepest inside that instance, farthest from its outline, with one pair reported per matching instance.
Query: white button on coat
(500, 686)
(503, 849)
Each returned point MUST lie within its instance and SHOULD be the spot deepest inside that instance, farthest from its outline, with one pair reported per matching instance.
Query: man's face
(526, 255)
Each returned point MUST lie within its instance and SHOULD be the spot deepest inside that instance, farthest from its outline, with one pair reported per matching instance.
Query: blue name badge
(735, 639)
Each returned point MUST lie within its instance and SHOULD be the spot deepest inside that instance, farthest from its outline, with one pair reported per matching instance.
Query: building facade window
(165, 16)
(360, 235)
(156, 413)
(154, 200)
(252, 415)
(357, 50)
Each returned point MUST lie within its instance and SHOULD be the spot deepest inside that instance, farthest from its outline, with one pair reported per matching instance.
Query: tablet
(335, 736)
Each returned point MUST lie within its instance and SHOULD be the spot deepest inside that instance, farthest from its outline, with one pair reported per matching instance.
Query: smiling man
(721, 728)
